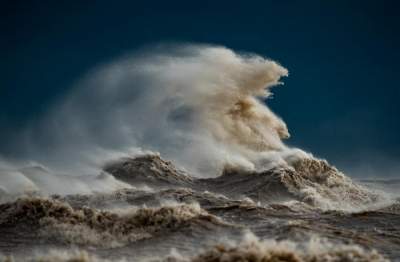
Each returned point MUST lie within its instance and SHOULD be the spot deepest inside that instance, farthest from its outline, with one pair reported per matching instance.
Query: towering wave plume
(201, 106)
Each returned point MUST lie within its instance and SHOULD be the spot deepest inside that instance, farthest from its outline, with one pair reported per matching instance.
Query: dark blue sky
(340, 100)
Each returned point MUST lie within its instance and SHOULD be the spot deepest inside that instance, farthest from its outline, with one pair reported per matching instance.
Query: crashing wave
(202, 107)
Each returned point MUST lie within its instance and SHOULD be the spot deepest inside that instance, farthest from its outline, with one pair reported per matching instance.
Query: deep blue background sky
(340, 100)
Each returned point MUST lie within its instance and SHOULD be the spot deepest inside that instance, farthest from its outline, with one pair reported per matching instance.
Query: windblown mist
(200, 106)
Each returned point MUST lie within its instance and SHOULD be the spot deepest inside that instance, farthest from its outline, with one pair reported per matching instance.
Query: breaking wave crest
(88, 226)
(253, 249)
(317, 183)
(249, 249)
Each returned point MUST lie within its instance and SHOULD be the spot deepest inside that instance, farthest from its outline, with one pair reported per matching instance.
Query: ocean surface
(307, 212)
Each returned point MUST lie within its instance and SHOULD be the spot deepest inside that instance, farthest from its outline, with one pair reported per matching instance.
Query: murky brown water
(308, 213)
